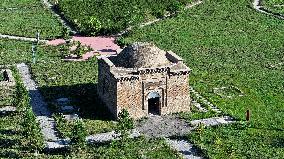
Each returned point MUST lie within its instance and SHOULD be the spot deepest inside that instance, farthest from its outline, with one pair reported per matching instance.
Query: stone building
(144, 79)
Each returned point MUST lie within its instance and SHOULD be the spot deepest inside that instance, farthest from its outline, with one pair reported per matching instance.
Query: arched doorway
(154, 103)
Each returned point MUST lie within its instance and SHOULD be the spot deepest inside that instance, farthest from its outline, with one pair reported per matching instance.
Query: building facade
(144, 79)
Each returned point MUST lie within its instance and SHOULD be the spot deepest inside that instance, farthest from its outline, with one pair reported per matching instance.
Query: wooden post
(248, 115)
(5, 75)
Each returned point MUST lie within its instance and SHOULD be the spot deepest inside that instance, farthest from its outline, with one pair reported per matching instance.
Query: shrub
(31, 131)
(91, 25)
(125, 122)
(79, 134)
(120, 41)
(80, 50)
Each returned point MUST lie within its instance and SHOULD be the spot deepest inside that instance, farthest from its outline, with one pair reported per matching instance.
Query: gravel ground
(106, 137)
(163, 126)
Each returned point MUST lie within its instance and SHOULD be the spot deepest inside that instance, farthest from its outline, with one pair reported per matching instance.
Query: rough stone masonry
(144, 79)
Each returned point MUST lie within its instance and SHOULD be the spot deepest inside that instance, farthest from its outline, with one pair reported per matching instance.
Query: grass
(26, 17)
(276, 6)
(14, 145)
(227, 43)
(1, 77)
(113, 16)
(74, 80)
(7, 94)
(12, 52)
(239, 141)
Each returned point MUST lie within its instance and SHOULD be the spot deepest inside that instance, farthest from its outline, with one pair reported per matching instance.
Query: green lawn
(227, 43)
(26, 17)
(17, 140)
(12, 51)
(14, 145)
(112, 16)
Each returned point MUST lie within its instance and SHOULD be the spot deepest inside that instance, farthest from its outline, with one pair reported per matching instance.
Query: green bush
(79, 134)
(120, 41)
(31, 131)
(125, 122)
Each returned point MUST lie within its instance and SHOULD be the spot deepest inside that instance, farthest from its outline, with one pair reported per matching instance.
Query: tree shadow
(9, 154)
(84, 96)
(7, 113)
(8, 143)
(278, 143)
(107, 50)
(9, 132)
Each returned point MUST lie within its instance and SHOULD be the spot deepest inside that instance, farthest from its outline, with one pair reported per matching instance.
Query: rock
(67, 109)
(63, 101)
(71, 116)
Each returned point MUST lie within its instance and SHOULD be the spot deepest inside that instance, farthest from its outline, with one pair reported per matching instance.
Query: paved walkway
(185, 148)
(213, 121)
(100, 44)
(109, 136)
(20, 38)
(40, 109)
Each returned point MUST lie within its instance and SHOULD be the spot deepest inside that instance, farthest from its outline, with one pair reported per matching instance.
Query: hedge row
(112, 16)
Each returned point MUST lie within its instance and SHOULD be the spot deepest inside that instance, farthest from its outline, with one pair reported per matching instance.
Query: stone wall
(129, 88)
(129, 95)
(174, 91)
(178, 97)
(107, 87)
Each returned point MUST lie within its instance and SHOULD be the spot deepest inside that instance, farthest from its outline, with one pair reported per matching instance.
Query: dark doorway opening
(153, 106)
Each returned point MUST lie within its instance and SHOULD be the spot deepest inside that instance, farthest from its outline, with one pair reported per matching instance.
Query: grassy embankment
(227, 43)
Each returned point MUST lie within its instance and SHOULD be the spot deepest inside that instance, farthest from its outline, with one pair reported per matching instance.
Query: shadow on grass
(8, 143)
(9, 132)
(84, 96)
(278, 143)
(8, 154)
(7, 113)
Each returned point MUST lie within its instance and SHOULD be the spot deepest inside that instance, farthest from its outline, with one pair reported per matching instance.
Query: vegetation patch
(227, 43)
(228, 92)
(113, 16)
(26, 18)
(276, 6)
(20, 134)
